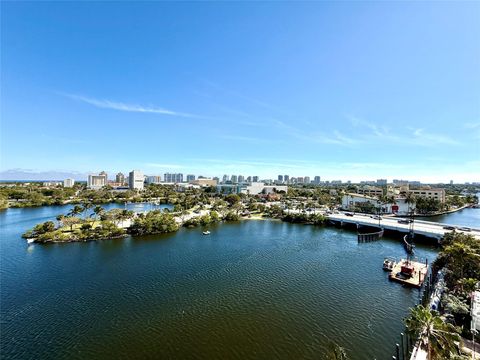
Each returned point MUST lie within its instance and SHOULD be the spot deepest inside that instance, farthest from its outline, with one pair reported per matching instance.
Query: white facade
(68, 183)
(96, 182)
(399, 207)
(136, 180)
(260, 188)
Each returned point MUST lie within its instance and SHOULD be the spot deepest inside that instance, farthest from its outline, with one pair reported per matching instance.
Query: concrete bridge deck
(421, 227)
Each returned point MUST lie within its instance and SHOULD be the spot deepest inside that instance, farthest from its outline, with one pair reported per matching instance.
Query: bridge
(421, 227)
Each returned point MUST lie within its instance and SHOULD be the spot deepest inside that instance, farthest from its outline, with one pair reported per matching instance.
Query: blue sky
(344, 90)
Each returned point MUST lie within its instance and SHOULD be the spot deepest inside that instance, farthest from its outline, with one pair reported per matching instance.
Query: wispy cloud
(164, 166)
(120, 106)
(420, 137)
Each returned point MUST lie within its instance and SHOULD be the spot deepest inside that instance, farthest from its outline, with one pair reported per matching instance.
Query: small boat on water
(206, 232)
(389, 264)
(30, 241)
(409, 246)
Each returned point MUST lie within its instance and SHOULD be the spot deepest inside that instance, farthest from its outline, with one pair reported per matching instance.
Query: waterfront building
(254, 178)
(306, 179)
(400, 206)
(190, 177)
(120, 178)
(280, 179)
(153, 179)
(96, 182)
(316, 180)
(286, 179)
(299, 180)
(68, 183)
(135, 180)
(233, 178)
(217, 179)
(241, 178)
(225, 178)
(249, 179)
(173, 178)
(336, 182)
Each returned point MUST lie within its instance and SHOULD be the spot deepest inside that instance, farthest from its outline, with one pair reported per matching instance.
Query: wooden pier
(410, 273)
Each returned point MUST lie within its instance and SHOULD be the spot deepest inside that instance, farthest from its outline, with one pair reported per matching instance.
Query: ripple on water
(250, 290)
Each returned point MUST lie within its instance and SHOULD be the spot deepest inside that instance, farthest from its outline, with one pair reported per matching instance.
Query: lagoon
(250, 290)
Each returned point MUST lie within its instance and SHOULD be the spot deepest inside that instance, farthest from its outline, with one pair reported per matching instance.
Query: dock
(409, 273)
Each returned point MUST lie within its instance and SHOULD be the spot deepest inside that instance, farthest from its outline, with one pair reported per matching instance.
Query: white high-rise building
(68, 183)
(135, 180)
(96, 182)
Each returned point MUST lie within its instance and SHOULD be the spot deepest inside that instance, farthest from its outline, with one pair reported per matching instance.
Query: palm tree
(410, 199)
(85, 208)
(436, 336)
(98, 211)
(76, 210)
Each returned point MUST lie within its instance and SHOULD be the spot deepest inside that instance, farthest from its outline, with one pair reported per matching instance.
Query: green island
(88, 222)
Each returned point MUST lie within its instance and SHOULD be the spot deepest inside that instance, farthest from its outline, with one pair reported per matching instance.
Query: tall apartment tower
(286, 179)
(136, 180)
(120, 178)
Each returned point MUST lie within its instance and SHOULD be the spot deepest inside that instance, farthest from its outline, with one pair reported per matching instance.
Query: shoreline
(446, 212)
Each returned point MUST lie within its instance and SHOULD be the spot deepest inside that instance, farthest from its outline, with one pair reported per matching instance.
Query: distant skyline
(344, 90)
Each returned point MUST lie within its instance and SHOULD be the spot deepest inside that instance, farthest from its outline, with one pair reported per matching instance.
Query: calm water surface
(465, 217)
(250, 290)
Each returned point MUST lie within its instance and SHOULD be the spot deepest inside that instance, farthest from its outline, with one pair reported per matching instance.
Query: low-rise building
(260, 188)
(371, 191)
(205, 182)
(399, 206)
(437, 194)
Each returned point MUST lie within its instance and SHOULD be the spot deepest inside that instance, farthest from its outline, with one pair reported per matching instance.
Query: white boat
(30, 241)
(206, 232)
(389, 264)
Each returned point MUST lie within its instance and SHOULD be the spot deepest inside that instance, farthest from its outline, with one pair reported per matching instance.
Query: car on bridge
(464, 228)
(405, 221)
(449, 227)
(348, 214)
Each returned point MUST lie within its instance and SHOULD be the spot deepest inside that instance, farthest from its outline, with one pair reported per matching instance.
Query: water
(464, 217)
(250, 290)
